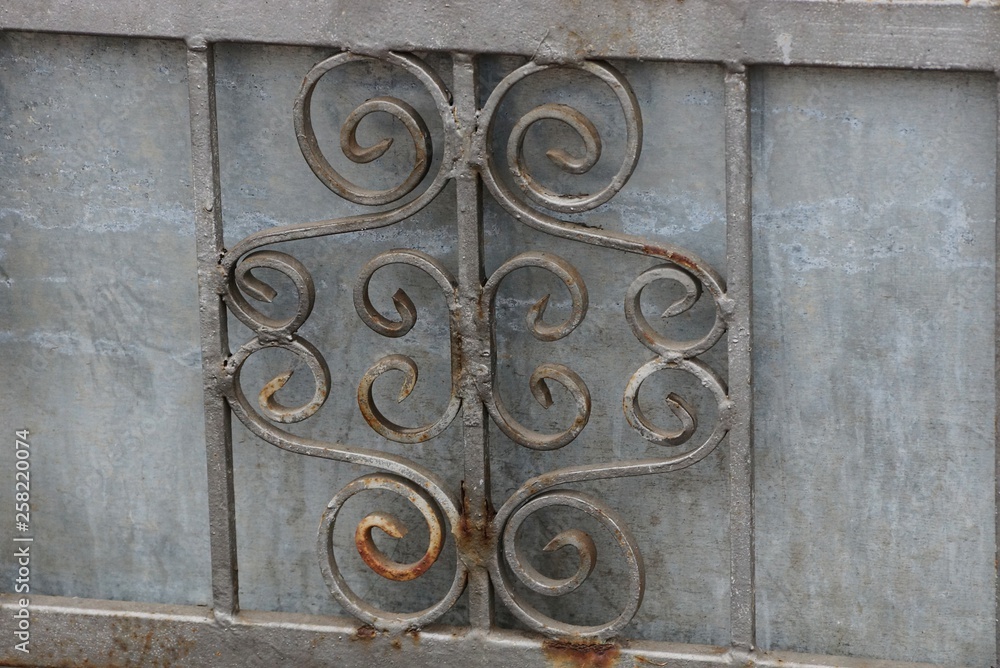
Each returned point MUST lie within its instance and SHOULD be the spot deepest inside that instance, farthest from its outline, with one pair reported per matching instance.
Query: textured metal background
(874, 215)
(100, 314)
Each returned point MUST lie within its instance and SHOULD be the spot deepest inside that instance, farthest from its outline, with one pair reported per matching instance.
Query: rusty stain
(387, 568)
(580, 654)
(396, 644)
(642, 659)
(135, 642)
(365, 632)
(473, 533)
(414, 634)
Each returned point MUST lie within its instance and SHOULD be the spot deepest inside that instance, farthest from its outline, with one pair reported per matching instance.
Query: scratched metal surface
(874, 268)
(99, 311)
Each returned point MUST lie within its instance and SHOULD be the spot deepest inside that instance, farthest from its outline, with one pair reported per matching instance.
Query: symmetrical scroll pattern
(471, 151)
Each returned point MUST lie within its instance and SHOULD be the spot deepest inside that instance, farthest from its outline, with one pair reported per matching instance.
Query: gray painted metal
(122, 634)
(933, 34)
(488, 556)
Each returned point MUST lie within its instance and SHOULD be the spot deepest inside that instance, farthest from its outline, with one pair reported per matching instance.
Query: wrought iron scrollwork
(396, 328)
(399, 475)
(465, 151)
(542, 331)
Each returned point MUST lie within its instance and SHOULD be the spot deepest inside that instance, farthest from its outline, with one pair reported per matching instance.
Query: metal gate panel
(468, 182)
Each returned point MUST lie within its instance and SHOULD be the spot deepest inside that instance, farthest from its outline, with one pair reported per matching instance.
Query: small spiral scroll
(580, 541)
(377, 560)
(543, 331)
(395, 107)
(407, 312)
(244, 281)
(583, 127)
(684, 412)
(276, 333)
(269, 406)
(656, 341)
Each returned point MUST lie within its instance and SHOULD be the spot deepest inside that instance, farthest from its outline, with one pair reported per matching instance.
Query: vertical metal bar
(214, 335)
(996, 396)
(740, 283)
(475, 345)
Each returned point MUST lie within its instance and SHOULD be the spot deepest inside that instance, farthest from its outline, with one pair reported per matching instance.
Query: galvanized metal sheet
(99, 328)
(874, 286)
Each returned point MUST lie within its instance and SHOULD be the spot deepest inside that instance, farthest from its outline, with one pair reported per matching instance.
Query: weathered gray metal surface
(874, 279)
(99, 331)
(81, 633)
(913, 33)
(494, 356)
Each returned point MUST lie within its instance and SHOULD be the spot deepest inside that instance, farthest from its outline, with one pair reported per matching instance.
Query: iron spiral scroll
(508, 179)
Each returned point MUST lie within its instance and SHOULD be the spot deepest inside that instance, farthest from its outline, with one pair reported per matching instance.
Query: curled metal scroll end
(515, 559)
(534, 318)
(370, 553)
(381, 564)
(587, 132)
(349, 133)
(389, 524)
(406, 310)
(688, 417)
(278, 412)
(531, 189)
(243, 280)
(404, 306)
(650, 337)
(682, 410)
(563, 270)
(691, 296)
(392, 363)
(584, 546)
(266, 399)
(540, 390)
(678, 406)
(270, 407)
(257, 288)
(395, 107)
(383, 425)
(518, 433)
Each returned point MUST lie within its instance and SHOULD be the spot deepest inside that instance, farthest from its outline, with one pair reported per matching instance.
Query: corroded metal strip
(929, 34)
(214, 335)
(996, 377)
(80, 632)
(476, 348)
(740, 338)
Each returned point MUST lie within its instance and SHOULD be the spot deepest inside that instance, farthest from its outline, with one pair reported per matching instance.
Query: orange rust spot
(396, 644)
(414, 635)
(642, 659)
(366, 632)
(472, 535)
(384, 566)
(580, 654)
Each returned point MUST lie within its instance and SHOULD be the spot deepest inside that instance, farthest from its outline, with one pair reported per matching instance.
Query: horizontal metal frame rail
(98, 633)
(950, 34)
(930, 34)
